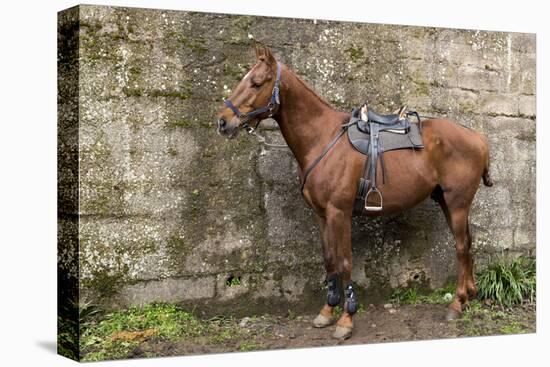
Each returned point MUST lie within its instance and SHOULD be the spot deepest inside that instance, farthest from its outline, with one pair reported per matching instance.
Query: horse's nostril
(222, 122)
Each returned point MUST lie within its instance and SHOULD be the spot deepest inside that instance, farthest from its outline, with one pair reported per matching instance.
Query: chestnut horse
(449, 168)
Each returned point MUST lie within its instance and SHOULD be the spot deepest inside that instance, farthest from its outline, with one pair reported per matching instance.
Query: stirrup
(376, 208)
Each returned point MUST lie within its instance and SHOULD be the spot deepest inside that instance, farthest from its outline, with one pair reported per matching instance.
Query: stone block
(167, 290)
(476, 78)
(125, 249)
(417, 43)
(227, 290)
(451, 47)
(528, 106)
(278, 166)
(528, 83)
(499, 104)
(524, 42)
(293, 287)
(455, 101)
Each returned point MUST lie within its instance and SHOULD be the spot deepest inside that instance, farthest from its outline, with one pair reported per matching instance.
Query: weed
(233, 281)
(411, 296)
(508, 281)
(72, 317)
(403, 296)
(248, 346)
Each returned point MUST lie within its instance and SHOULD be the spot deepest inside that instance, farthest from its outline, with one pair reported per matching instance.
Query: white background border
(28, 182)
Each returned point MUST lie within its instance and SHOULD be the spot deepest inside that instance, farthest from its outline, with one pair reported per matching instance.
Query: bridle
(269, 108)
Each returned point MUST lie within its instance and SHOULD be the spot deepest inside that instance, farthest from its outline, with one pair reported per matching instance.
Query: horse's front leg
(339, 227)
(326, 317)
(336, 234)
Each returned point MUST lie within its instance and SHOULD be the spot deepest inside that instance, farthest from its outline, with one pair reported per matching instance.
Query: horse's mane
(307, 87)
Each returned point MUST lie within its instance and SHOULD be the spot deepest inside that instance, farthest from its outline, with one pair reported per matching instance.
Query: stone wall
(170, 211)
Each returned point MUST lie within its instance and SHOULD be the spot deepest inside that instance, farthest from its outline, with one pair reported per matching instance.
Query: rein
(329, 146)
(270, 107)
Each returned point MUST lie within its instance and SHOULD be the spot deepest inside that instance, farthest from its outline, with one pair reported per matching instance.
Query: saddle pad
(387, 140)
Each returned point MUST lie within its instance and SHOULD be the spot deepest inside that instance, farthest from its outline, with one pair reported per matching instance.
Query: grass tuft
(405, 296)
(508, 281)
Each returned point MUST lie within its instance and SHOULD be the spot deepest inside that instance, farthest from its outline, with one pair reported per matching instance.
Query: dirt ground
(374, 324)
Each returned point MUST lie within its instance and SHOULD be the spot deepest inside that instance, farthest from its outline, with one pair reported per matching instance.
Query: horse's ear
(263, 53)
(256, 46)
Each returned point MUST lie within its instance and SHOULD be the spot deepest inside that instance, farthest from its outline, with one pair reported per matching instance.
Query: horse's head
(255, 98)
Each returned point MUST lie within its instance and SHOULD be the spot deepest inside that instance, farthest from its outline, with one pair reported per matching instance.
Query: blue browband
(270, 107)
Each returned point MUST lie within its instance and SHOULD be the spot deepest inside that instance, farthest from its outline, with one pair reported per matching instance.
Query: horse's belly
(409, 179)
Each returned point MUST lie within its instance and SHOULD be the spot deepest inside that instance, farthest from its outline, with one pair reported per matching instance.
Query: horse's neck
(307, 122)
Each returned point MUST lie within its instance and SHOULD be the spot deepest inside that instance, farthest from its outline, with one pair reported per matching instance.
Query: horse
(449, 169)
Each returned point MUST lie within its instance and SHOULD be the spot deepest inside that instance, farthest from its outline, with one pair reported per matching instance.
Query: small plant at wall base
(233, 281)
(412, 296)
(508, 281)
(402, 296)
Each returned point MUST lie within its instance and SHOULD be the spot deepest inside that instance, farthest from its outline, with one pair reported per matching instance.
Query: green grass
(481, 319)
(120, 332)
(412, 296)
(508, 281)
(513, 328)
(248, 346)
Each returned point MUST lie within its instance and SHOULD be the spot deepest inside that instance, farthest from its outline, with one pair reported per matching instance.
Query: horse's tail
(487, 181)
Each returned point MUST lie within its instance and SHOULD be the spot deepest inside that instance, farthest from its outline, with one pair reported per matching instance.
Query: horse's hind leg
(456, 212)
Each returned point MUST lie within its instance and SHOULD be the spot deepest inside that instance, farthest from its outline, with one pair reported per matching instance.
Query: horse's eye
(255, 86)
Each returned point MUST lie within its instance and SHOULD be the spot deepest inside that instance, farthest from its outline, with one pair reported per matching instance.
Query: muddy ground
(374, 324)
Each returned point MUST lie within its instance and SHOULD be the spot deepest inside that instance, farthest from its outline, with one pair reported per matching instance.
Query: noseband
(270, 107)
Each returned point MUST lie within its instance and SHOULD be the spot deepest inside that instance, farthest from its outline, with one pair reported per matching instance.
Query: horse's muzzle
(226, 129)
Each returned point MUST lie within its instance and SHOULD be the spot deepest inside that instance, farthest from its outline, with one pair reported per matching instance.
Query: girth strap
(375, 150)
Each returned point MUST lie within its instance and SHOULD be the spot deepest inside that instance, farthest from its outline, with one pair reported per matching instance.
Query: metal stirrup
(370, 208)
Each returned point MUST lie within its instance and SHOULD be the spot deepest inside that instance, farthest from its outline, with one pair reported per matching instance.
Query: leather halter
(270, 107)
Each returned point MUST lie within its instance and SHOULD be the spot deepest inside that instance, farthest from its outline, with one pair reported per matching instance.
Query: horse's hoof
(342, 332)
(322, 321)
(452, 314)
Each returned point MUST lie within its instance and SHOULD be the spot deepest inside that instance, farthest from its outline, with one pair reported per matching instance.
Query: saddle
(373, 134)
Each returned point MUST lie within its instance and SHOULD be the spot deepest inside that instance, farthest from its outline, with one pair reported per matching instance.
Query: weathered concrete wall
(170, 211)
